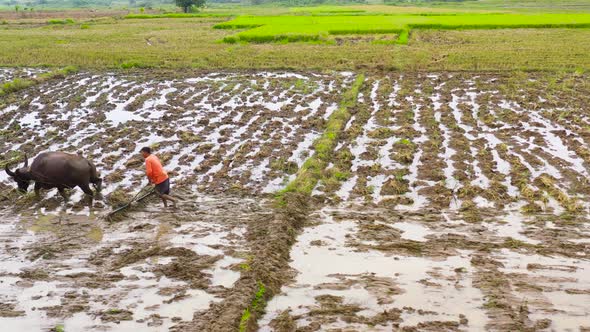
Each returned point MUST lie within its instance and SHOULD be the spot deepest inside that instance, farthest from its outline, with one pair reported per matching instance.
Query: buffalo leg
(86, 189)
(89, 193)
(37, 189)
(97, 183)
(62, 192)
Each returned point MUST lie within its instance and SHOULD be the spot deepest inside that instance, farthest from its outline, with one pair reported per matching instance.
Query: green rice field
(262, 29)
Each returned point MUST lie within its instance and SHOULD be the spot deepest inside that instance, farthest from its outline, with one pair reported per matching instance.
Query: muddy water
(9, 74)
(565, 283)
(328, 263)
(354, 265)
(151, 272)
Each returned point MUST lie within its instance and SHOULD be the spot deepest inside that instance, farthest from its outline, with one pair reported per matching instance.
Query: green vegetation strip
(64, 21)
(257, 304)
(20, 84)
(264, 29)
(293, 210)
(311, 171)
(174, 15)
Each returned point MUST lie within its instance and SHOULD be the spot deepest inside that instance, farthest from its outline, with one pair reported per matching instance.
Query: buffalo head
(22, 175)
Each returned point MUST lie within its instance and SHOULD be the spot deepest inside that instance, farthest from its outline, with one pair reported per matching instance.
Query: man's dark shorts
(163, 188)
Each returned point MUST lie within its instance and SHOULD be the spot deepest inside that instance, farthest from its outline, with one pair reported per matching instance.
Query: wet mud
(10, 74)
(454, 202)
(383, 270)
(155, 270)
(453, 188)
(216, 132)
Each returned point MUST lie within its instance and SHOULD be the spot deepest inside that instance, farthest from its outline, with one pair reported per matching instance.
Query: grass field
(193, 43)
(465, 36)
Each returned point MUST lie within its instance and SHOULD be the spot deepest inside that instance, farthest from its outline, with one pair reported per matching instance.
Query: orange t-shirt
(154, 170)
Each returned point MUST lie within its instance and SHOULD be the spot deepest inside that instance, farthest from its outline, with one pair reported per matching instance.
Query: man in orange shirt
(156, 175)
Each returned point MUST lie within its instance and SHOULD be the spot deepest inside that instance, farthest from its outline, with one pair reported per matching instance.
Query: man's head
(145, 151)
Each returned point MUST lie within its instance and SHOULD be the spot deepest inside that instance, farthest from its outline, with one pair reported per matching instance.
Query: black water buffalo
(57, 170)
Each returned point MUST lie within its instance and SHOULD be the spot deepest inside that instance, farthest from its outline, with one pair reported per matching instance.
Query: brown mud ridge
(352, 40)
(44, 15)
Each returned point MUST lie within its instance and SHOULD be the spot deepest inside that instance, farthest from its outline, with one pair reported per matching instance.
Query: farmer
(156, 175)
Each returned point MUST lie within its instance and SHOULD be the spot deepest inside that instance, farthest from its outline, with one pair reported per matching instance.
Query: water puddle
(413, 231)
(374, 281)
(565, 285)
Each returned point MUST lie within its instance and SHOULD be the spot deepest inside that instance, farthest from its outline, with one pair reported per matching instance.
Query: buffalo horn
(8, 171)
